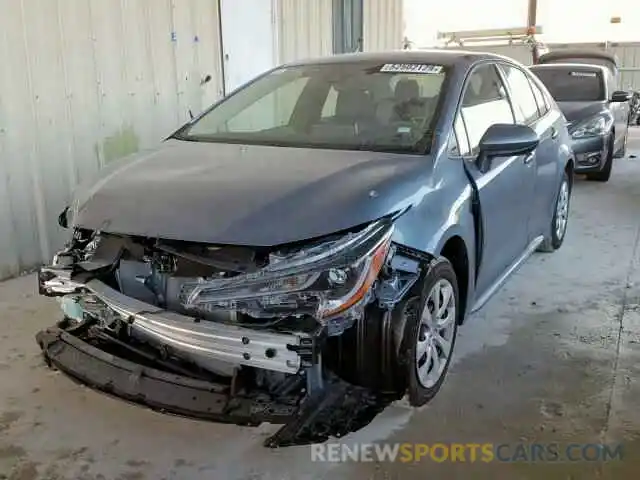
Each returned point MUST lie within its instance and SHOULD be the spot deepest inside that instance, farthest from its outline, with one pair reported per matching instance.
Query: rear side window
(524, 101)
(484, 103)
(541, 99)
(572, 84)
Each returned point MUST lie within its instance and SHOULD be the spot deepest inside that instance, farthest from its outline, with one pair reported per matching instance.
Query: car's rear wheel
(604, 174)
(560, 220)
(430, 333)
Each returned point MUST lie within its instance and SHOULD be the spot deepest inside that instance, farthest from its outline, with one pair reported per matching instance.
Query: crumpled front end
(228, 333)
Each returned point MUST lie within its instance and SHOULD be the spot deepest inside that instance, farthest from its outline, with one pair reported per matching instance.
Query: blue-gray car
(304, 251)
(597, 114)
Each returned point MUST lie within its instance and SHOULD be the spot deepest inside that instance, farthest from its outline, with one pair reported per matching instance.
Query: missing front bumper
(156, 389)
(199, 341)
(340, 408)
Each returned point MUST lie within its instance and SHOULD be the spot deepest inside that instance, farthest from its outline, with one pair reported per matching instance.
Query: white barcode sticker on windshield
(583, 74)
(411, 68)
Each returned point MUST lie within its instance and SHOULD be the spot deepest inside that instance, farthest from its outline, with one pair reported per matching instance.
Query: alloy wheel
(562, 210)
(436, 331)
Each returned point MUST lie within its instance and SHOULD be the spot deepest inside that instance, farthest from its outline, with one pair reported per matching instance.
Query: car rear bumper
(590, 154)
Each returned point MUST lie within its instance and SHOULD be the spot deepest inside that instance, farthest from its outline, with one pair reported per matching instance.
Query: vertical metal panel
(192, 23)
(208, 52)
(383, 25)
(84, 82)
(249, 40)
(160, 35)
(304, 29)
(22, 229)
(347, 26)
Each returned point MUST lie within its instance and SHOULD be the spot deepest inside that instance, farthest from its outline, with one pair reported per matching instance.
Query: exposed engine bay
(307, 335)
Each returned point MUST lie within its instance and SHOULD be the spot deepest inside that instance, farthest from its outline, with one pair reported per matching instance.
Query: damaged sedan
(304, 251)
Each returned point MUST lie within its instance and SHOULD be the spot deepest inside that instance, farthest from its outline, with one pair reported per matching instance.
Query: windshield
(357, 106)
(569, 84)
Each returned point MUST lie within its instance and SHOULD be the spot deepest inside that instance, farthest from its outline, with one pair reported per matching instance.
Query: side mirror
(620, 96)
(505, 140)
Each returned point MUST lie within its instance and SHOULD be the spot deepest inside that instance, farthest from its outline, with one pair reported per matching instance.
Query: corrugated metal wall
(304, 29)
(84, 82)
(383, 25)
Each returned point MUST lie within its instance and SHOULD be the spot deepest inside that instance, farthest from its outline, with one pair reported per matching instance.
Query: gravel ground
(552, 358)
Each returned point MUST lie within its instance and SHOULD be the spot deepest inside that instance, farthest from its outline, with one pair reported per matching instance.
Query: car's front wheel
(560, 220)
(430, 333)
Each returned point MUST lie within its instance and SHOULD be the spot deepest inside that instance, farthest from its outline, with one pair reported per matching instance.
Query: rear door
(532, 110)
(506, 187)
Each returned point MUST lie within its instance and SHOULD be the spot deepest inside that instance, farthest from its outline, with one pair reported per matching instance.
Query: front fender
(428, 226)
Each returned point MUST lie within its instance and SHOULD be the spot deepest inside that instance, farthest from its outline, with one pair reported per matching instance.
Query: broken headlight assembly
(328, 280)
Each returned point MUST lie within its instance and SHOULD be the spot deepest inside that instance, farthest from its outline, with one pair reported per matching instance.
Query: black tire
(364, 354)
(604, 174)
(417, 393)
(554, 240)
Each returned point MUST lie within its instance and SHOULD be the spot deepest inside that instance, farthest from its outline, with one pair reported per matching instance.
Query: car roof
(433, 56)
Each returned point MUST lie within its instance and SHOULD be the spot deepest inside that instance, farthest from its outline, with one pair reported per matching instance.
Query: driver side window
(485, 102)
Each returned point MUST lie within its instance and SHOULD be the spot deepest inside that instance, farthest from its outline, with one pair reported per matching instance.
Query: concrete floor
(554, 357)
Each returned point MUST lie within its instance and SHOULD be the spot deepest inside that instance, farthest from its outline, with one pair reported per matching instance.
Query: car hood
(248, 195)
(576, 112)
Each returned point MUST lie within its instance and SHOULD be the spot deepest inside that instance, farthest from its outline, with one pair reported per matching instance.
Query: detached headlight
(323, 281)
(592, 128)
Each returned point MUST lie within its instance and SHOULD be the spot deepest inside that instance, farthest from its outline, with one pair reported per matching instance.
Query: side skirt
(513, 268)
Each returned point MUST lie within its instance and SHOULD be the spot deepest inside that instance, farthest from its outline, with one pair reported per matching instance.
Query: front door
(248, 36)
(532, 109)
(506, 186)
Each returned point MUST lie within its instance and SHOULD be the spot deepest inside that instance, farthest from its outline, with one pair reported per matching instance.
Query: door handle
(554, 133)
(529, 158)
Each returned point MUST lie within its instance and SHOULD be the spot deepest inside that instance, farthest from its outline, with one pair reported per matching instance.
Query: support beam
(532, 16)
